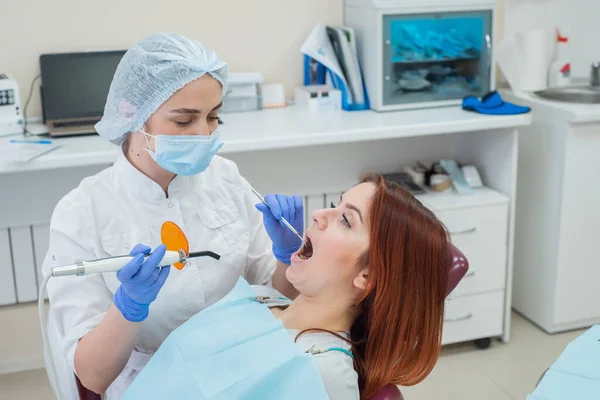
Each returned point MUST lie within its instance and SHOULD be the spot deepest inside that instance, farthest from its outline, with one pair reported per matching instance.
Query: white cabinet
(557, 237)
(478, 226)
(473, 317)
(578, 262)
(481, 234)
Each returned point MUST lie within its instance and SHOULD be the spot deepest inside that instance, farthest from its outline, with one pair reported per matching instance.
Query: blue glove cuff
(285, 255)
(132, 311)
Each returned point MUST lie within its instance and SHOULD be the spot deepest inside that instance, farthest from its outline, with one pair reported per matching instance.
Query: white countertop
(290, 127)
(571, 112)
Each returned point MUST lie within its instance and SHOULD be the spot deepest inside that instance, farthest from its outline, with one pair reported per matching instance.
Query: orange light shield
(174, 239)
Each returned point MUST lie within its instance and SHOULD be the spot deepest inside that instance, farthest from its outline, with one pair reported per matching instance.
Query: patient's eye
(345, 221)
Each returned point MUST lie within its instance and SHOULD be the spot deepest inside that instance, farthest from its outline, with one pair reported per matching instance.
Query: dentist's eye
(183, 123)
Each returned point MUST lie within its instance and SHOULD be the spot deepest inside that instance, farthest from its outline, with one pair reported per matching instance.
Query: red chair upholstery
(458, 269)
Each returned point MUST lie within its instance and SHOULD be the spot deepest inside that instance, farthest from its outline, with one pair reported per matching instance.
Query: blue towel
(576, 373)
(559, 386)
(492, 104)
(234, 349)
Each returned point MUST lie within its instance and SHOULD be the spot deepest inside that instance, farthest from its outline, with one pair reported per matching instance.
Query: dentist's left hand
(141, 280)
(285, 243)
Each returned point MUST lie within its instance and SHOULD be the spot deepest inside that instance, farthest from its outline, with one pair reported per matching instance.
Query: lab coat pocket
(227, 231)
(121, 244)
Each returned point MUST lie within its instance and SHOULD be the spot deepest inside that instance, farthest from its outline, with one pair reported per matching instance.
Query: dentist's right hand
(141, 280)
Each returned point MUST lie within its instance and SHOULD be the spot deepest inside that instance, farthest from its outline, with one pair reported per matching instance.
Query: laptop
(74, 90)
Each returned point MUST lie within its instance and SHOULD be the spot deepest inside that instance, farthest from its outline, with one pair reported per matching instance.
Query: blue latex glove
(285, 243)
(141, 280)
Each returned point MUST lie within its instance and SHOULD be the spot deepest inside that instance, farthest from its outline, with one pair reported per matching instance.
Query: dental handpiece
(287, 224)
(112, 264)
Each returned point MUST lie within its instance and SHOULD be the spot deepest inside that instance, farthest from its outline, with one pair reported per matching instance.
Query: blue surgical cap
(148, 74)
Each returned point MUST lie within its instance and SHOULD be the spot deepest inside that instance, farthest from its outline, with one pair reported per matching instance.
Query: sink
(572, 94)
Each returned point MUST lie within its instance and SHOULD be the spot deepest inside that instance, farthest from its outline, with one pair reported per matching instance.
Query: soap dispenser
(560, 70)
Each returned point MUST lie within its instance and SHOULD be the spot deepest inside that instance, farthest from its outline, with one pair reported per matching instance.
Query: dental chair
(458, 269)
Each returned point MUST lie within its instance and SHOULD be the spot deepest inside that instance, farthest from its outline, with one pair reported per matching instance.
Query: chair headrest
(459, 266)
(389, 392)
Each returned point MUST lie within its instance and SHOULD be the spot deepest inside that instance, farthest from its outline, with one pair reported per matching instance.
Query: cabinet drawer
(481, 234)
(473, 317)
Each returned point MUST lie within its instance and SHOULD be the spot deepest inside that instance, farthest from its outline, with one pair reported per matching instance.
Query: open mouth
(306, 251)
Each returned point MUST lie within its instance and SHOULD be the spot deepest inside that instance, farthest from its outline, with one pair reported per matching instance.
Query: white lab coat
(109, 213)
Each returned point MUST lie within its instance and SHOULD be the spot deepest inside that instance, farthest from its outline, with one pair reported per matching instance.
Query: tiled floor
(503, 372)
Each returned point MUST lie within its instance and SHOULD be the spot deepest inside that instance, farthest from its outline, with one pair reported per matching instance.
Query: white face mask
(184, 154)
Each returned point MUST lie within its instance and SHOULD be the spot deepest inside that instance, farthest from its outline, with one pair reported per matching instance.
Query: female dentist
(162, 109)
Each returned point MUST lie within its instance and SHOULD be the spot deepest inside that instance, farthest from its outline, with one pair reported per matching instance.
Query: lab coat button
(170, 205)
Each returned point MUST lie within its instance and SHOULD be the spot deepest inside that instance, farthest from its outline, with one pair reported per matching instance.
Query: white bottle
(560, 70)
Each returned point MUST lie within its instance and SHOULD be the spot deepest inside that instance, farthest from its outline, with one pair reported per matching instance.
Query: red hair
(398, 333)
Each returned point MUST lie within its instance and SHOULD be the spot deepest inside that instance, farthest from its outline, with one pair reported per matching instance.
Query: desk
(284, 150)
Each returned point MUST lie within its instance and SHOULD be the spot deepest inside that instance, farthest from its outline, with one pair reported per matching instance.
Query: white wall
(582, 17)
(21, 340)
(251, 35)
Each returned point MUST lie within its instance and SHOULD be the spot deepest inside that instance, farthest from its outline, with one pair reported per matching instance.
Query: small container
(243, 93)
(318, 98)
(417, 173)
(440, 182)
(273, 95)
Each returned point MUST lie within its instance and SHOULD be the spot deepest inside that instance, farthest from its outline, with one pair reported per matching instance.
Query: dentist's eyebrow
(186, 111)
(193, 110)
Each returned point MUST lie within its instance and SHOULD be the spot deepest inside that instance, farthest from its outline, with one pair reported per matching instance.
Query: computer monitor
(75, 87)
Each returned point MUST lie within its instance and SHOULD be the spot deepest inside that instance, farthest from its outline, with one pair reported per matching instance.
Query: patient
(372, 280)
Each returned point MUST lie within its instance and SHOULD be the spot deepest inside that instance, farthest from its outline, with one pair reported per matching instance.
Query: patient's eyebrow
(353, 207)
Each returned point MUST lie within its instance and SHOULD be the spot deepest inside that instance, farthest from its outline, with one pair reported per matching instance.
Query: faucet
(595, 75)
